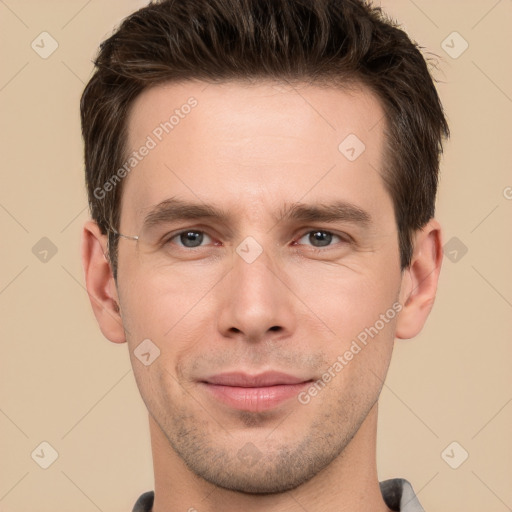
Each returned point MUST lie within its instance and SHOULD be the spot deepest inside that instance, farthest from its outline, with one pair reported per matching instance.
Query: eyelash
(345, 239)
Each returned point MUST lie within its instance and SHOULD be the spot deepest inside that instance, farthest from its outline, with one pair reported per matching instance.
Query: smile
(254, 393)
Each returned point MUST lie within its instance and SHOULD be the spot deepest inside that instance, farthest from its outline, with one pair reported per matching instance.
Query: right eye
(190, 238)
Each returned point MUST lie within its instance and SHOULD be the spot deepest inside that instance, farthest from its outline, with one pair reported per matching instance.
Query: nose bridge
(255, 301)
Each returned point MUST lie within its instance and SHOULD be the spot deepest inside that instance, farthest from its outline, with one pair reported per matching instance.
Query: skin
(250, 150)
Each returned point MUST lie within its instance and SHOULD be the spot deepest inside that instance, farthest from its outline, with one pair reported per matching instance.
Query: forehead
(240, 145)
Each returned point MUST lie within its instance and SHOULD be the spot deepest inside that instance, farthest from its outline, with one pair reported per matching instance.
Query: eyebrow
(174, 209)
(177, 209)
(331, 212)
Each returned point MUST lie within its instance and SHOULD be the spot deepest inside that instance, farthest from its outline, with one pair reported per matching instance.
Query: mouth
(254, 393)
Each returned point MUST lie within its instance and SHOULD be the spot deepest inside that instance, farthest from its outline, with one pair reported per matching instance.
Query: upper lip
(245, 380)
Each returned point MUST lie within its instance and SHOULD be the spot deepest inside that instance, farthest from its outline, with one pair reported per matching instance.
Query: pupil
(191, 239)
(320, 238)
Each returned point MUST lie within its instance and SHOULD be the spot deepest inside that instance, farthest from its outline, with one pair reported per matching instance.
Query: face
(266, 273)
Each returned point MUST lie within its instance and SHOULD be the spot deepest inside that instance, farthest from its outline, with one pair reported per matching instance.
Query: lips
(255, 393)
(244, 380)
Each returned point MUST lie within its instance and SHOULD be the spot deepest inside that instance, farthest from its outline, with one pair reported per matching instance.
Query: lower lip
(255, 399)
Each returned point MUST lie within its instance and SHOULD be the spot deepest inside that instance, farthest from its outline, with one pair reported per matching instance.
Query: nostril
(275, 328)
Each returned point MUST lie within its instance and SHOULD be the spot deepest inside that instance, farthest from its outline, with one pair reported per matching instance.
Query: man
(262, 179)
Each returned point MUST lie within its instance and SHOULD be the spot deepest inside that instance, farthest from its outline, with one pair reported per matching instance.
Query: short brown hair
(334, 42)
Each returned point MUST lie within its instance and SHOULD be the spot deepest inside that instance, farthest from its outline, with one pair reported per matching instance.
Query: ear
(419, 281)
(100, 283)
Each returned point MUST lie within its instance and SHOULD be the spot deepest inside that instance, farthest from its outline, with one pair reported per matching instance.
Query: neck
(349, 483)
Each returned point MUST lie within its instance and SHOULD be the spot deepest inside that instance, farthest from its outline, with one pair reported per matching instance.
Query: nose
(255, 301)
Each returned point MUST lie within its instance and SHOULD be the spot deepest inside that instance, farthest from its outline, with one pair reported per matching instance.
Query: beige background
(63, 383)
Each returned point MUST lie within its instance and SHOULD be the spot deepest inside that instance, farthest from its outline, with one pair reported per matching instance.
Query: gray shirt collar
(399, 495)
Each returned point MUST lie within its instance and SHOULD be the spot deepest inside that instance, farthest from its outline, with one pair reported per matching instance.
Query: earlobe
(419, 281)
(100, 283)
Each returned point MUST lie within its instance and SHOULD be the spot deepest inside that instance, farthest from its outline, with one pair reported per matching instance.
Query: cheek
(363, 316)
(361, 308)
(156, 301)
(347, 299)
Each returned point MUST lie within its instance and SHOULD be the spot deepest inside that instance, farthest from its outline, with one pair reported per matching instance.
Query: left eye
(319, 238)
(190, 238)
